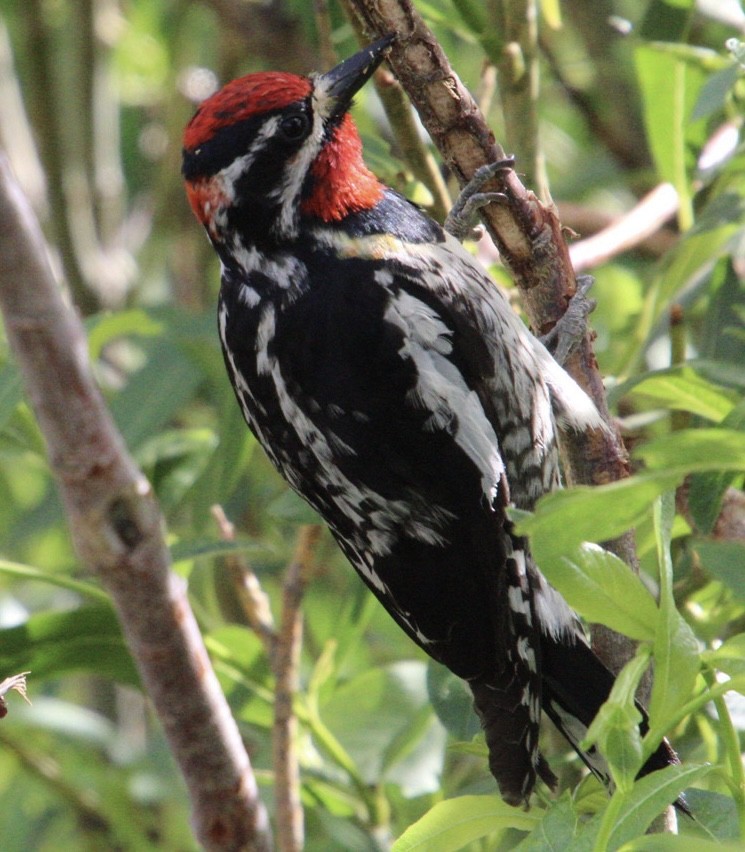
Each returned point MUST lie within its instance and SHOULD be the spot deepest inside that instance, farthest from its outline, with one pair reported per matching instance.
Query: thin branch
(517, 65)
(118, 531)
(282, 646)
(285, 663)
(629, 230)
(253, 599)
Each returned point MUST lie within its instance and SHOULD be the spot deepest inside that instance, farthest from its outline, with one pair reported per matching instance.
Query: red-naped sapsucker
(396, 390)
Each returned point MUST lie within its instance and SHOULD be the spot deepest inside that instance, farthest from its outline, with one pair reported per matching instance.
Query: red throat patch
(207, 197)
(342, 183)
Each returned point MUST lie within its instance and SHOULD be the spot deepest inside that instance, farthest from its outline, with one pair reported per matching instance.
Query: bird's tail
(511, 738)
(575, 684)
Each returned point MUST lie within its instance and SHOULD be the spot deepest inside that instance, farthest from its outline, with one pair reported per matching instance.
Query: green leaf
(556, 830)
(669, 85)
(565, 518)
(676, 659)
(724, 560)
(174, 459)
(615, 728)
(167, 381)
(104, 328)
(452, 824)
(11, 391)
(679, 843)
(376, 712)
(729, 657)
(84, 639)
(715, 812)
(695, 450)
(706, 490)
(648, 798)
(601, 588)
(683, 389)
(289, 507)
(715, 92)
(210, 548)
(452, 700)
(28, 572)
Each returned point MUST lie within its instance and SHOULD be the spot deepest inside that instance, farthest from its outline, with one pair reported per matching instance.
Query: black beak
(342, 83)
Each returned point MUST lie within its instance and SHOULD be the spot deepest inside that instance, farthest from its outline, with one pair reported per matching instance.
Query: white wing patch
(441, 388)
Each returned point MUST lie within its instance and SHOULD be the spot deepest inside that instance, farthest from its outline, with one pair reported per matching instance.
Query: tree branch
(285, 663)
(118, 531)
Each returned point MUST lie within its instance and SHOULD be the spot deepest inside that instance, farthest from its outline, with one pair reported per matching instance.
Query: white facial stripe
(296, 170)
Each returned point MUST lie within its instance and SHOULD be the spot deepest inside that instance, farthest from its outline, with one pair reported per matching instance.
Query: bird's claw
(572, 327)
(461, 219)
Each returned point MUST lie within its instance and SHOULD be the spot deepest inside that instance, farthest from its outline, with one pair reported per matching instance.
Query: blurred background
(94, 96)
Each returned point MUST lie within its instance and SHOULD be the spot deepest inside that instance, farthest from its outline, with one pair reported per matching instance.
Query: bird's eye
(295, 126)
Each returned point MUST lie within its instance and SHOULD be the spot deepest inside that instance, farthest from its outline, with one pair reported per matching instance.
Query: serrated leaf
(601, 588)
(452, 824)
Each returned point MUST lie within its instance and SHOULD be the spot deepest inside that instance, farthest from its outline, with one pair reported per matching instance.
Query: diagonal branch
(117, 528)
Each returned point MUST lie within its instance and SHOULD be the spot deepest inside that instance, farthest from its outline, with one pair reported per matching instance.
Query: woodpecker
(395, 389)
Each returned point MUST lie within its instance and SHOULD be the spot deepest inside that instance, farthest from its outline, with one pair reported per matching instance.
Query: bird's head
(271, 147)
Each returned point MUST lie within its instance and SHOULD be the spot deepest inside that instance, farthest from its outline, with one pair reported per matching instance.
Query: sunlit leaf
(452, 824)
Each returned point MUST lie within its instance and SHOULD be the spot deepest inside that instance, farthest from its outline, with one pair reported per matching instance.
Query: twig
(253, 599)
(282, 646)
(285, 662)
(516, 21)
(117, 528)
(629, 230)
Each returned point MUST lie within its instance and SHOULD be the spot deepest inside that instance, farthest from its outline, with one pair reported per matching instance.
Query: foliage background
(93, 100)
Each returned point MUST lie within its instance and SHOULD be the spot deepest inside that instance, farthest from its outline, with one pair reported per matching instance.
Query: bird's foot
(572, 327)
(461, 219)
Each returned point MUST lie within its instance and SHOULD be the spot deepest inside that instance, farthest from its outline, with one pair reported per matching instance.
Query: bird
(397, 391)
